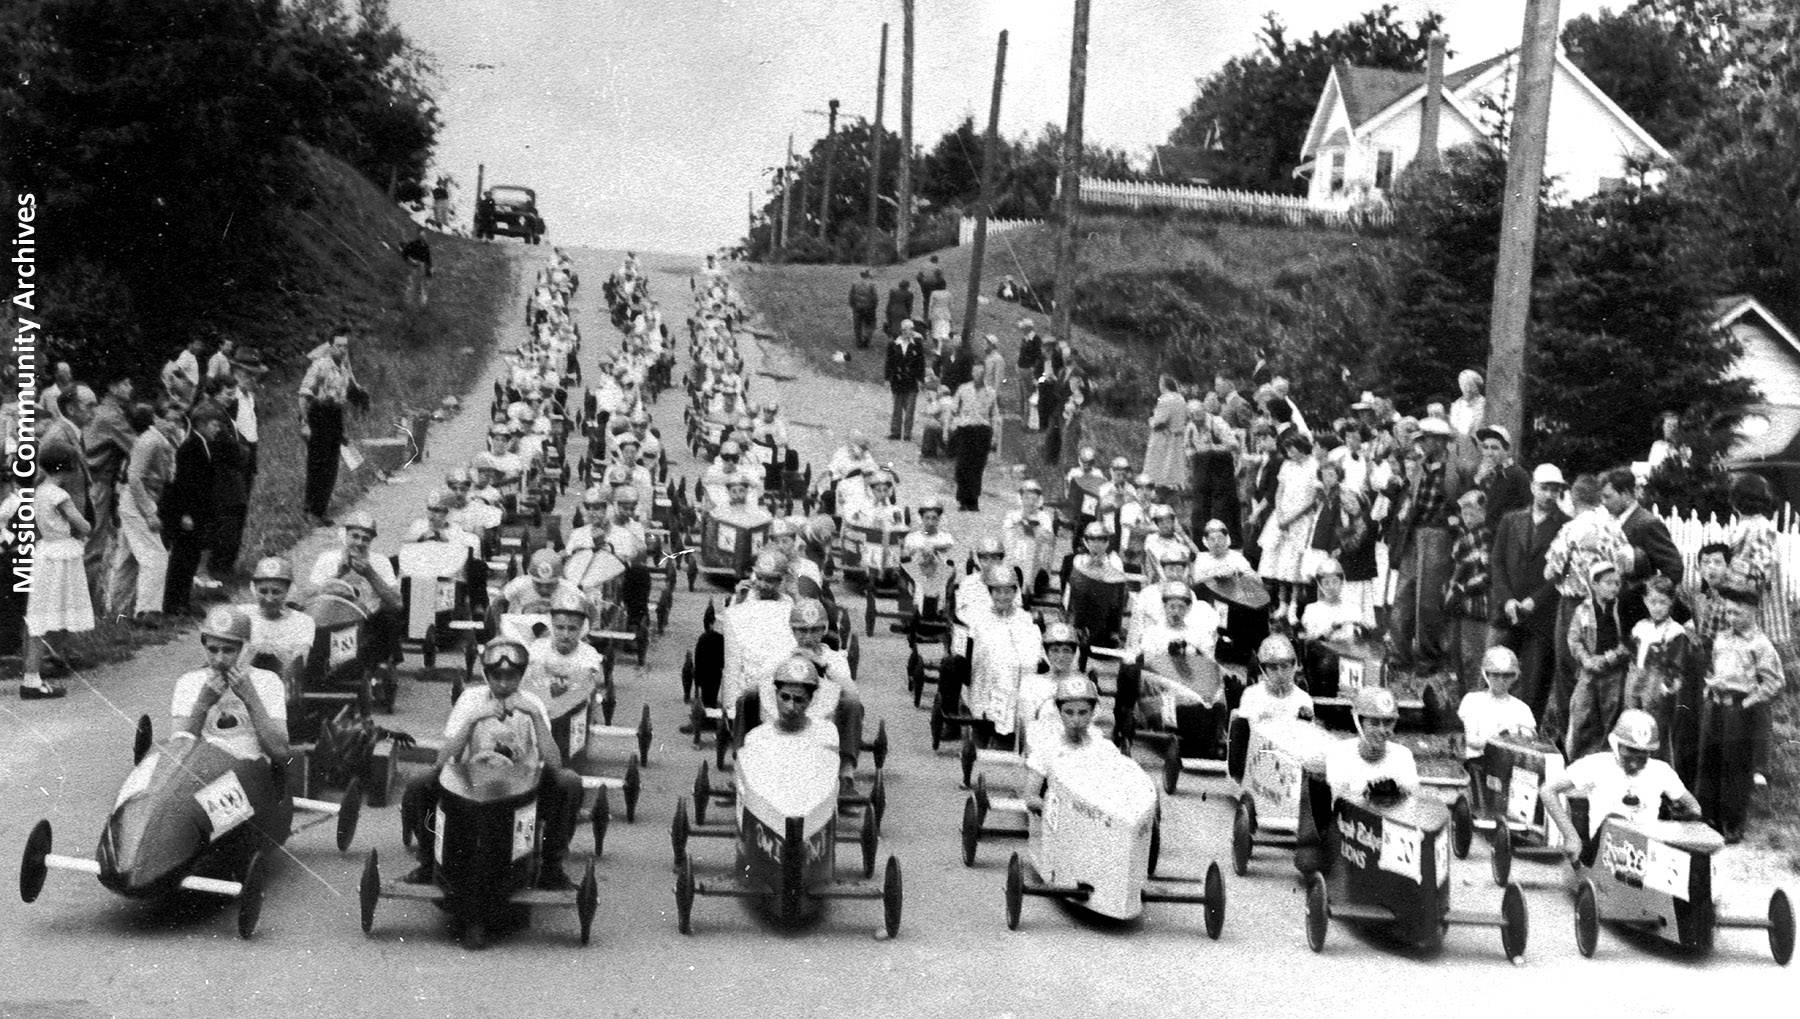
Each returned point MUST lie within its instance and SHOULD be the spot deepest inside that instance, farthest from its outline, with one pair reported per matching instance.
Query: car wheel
(1462, 828)
(684, 896)
(587, 899)
(1015, 891)
(368, 891)
(1215, 901)
(971, 831)
(1515, 924)
(1587, 920)
(1781, 927)
(1243, 836)
(250, 897)
(1501, 861)
(892, 897)
(1318, 912)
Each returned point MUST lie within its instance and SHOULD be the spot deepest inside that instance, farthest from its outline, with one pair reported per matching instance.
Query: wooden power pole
(1070, 184)
(1518, 220)
(990, 156)
(787, 187)
(903, 215)
(875, 138)
(830, 168)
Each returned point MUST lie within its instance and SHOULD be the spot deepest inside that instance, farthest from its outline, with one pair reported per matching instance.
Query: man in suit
(905, 367)
(863, 300)
(188, 512)
(1523, 601)
(1653, 550)
(899, 306)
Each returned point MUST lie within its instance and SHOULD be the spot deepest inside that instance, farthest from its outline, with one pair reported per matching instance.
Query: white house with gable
(1365, 129)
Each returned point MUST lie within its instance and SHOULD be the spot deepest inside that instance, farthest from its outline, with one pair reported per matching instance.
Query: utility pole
(1518, 221)
(903, 215)
(1068, 204)
(787, 186)
(990, 156)
(750, 213)
(875, 138)
(1434, 104)
(830, 169)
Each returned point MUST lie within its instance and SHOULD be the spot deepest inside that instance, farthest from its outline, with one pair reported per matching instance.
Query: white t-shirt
(331, 560)
(548, 664)
(228, 720)
(1047, 753)
(1350, 775)
(523, 599)
(1605, 784)
(1485, 716)
(1322, 618)
(1259, 705)
(420, 530)
(288, 636)
(515, 736)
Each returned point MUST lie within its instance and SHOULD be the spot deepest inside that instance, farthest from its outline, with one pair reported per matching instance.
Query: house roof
(1368, 91)
(1726, 311)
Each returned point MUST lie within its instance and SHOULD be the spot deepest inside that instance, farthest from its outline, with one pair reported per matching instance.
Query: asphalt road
(81, 951)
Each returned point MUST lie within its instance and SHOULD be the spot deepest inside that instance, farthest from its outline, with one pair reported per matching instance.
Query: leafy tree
(1664, 78)
(1445, 277)
(1740, 170)
(1261, 102)
(1621, 330)
(952, 169)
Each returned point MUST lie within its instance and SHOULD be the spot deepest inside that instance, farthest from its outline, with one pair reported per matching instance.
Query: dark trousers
(185, 550)
(327, 424)
(227, 540)
(1216, 496)
(970, 443)
(1534, 641)
(1555, 717)
(900, 425)
(1722, 782)
(864, 321)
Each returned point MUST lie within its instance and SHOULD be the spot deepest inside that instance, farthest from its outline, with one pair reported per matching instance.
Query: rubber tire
(971, 831)
(1587, 920)
(1462, 827)
(1243, 835)
(1015, 891)
(892, 897)
(250, 898)
(684, 896)
(1515, 928)
(368, 891)
(1502, 860)
(349, 812)
(870, 839)
(1781, 927)
(587, 900)
(1172, 766)
(1318, 912)
(32, 869)
(1155, 841)
(602, 820)
(1215, 901)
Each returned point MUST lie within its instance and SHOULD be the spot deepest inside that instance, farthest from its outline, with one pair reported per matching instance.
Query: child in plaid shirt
(1600, 645)
(1664, 677)
(1466, 596)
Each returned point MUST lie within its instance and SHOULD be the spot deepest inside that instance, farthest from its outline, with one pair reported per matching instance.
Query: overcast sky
(646, 124)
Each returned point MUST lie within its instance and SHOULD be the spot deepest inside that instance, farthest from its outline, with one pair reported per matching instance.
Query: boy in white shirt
(1625, 780)
(1371, 756)
(275, 628)
(562, 659)
(1276, 697)
(1493, 712)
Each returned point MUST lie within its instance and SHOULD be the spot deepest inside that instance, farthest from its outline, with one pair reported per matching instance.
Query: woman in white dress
(1288, 532)
(58, 601)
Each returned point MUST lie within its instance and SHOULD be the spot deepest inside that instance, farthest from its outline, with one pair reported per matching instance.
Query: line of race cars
(1089, 813)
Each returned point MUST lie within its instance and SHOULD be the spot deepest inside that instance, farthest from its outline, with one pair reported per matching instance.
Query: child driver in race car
(1076, 699)
(496, 723)
(1625, 781)
(796, 681)
(1371, 757)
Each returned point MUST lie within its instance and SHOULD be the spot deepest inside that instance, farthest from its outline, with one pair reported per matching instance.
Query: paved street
(82, 951)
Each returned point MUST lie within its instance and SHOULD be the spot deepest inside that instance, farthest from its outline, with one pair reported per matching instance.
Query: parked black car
(508, 210)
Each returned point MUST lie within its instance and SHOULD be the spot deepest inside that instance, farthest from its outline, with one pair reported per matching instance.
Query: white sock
(34, 679)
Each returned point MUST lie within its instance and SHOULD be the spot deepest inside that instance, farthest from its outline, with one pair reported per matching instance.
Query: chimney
(1434, 102)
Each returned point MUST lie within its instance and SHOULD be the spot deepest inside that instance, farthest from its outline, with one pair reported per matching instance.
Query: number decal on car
(226, 804)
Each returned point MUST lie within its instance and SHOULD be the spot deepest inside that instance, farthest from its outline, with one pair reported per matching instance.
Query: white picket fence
(965, 230)
(1777, 613)
(1291, 209)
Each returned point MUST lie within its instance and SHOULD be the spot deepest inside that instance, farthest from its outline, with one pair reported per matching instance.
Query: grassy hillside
(1155, 293)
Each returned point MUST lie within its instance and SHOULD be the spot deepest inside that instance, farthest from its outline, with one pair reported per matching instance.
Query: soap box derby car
(786, 830)
(1508, 778)
(1269, 761)
(192, 816)
(488, 836)
(1096, 844)
(1656, 877)
(1383, 861)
